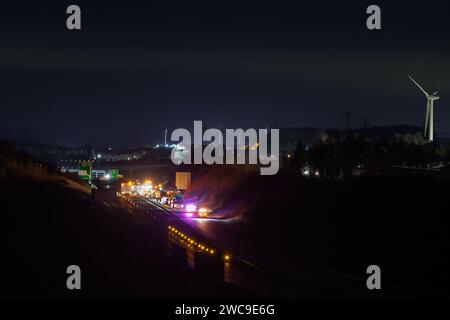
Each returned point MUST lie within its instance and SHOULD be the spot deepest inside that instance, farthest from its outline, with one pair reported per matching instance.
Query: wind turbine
(429, 113)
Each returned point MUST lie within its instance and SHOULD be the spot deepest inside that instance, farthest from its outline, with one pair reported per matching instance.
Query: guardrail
(186, 247)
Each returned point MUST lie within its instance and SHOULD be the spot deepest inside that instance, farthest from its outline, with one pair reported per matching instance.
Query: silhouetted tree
(324, 158)
(299, 155)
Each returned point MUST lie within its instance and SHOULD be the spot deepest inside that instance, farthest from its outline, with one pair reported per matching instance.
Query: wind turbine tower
(428, 134)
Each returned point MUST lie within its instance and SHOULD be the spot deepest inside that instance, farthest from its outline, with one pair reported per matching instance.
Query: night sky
(138, 67)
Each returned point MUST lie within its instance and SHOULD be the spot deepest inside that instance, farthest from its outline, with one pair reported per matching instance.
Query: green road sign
(85, 169)
(114, 173)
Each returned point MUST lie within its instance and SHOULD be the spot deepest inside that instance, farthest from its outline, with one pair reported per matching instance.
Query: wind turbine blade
(426, 93)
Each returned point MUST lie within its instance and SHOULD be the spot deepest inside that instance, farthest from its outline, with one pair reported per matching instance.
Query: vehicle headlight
(191, 207)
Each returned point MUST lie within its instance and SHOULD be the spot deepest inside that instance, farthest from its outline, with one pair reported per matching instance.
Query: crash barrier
(198, 256)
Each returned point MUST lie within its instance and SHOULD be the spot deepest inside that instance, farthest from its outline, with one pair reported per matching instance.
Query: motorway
(256, 263)
(278, 274)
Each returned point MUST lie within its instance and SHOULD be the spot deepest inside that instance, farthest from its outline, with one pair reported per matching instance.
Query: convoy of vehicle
(168, 196)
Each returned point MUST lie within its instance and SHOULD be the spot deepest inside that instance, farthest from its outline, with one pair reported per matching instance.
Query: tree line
(335, 157)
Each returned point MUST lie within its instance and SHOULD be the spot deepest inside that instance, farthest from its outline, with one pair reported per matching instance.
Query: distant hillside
(380, 132)
(18, 165)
